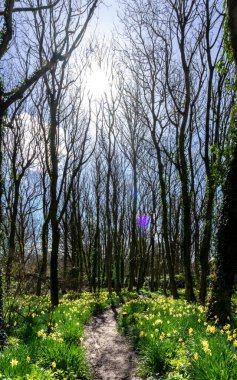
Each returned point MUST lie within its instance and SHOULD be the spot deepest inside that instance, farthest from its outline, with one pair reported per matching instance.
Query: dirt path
(109, 353)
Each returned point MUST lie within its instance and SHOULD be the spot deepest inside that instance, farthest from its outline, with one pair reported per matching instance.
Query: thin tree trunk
(54, 263)
(152, 264)
(164, 269)
(173, 286)
(43, 267)
(95, 258)
(2, 323)
(11, 241)
(81, 257)
(54, 202)
(65, 255)
(205, 246)
(186, 201)
(133, 248)
(109, 245)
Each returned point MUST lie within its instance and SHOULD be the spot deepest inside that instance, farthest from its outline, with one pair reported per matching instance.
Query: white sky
(107, 16)
(104, 18)
(100, 30)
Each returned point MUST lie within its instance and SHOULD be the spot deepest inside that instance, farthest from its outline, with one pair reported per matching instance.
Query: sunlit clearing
(97, 81)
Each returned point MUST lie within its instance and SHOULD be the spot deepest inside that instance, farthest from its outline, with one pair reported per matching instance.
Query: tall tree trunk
(164, 267)
(170, 267)
(2, 323)
(116, 237)
(184, 178)
(205, 245)
(152, 264)
(210, 186)
(133, 247)
(186, 225)
(65, 254)
(81, 256)
(54, 202)
(186, 243)
(96, 253)
(11, 240)
(121, 246)
(143, 262)
(95, 258)
(43, 266)
(54, 263)
(117, 253)
(74, 223)
(109, 243)
(220, 303)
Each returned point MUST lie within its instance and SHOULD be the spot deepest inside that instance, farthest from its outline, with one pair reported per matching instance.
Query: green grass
(174, 341)
(47, 344)
(172, 338)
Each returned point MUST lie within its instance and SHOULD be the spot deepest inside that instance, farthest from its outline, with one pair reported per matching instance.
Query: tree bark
(109, 243)
(220, 303)
(2, 323)
(205, 246)
(43, 266)
(167, 247)
(54, 201)
(133, 248)
(184, 178)
(11, 240)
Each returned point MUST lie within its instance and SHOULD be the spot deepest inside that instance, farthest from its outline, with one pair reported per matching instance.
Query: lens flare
(143, 221)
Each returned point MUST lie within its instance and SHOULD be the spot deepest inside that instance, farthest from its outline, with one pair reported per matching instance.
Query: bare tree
(69, 43)
(21, 151)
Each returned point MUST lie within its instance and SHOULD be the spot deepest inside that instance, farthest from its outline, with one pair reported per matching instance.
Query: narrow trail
(109, 353)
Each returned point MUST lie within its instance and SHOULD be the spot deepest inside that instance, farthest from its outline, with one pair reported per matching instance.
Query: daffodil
(14, 362)
(162, 336)
(196, 356)
(205, 346)
(211, 329)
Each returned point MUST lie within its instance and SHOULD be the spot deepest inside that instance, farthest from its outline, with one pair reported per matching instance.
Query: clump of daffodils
(205, 346)
(211, 329)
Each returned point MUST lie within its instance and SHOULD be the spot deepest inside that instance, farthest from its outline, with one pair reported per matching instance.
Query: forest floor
(110, 355)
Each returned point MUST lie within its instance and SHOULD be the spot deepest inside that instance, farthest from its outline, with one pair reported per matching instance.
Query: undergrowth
(175, 342)
(46, 343)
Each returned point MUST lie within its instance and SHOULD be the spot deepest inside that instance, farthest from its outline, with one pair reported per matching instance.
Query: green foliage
(48, 343)
(221, 365)
(175, 342)
(171, 336)
(232, 133)
(221, 67)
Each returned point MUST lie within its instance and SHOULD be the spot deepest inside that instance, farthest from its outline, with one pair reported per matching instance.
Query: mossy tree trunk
(220, 303)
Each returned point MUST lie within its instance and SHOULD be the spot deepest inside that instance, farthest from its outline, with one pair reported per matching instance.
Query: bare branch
(32, 9)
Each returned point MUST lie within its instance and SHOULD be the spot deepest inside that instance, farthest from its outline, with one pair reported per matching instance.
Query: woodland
(118, 190)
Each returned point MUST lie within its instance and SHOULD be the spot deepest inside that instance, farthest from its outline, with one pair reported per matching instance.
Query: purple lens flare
(143, 221)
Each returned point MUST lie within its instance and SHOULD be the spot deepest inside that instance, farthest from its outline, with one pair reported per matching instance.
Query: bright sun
(97, 81)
